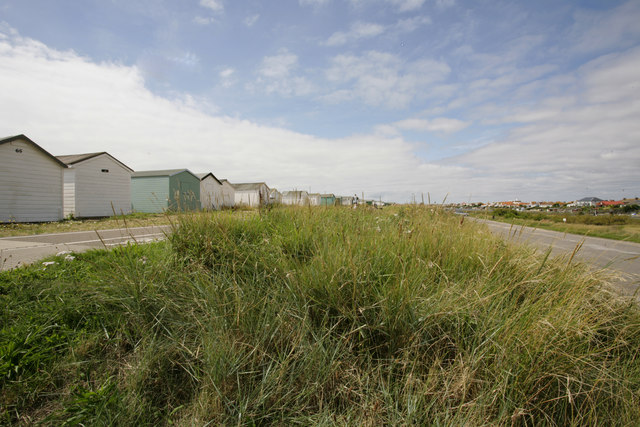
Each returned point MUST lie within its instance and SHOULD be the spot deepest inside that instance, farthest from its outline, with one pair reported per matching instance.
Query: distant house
(228, 194)
(314, 199)
(211, 192)
(95, 185)
(160, 190)
(587, 201)
(252, 194)
(346, 200)
(275, 197)
(327, 200)
(30, 182)
(611, 203)
(300, 198)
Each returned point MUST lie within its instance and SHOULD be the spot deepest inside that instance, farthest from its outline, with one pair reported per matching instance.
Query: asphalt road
(621, 257)
(21, 250)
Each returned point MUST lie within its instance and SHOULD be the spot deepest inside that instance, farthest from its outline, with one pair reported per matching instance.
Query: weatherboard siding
(69, 192)
(252, 198)
(102, 193)
(30, 184)
(211, 195)
(150, 194)
(228, 195)
(184, 191)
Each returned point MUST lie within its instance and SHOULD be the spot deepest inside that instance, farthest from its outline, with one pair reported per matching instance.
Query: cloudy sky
(477, 100)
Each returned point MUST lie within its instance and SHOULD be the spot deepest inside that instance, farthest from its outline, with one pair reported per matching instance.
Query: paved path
(624, 257)
(21, 250)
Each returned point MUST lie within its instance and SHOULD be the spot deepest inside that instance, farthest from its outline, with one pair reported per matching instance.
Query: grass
(87, 224)
(317, 316)
(615, 227)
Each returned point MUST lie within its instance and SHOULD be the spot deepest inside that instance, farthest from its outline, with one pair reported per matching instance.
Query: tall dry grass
(322, 316)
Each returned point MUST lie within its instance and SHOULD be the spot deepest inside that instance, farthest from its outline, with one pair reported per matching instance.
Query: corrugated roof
(327, 195)
(72, 159)
(294, 193)
(75, 158)
(248, 186)
(22, 136)
(206, 174)
(164, 172)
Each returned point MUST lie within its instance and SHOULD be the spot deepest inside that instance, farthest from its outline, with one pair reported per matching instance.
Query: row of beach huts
(36, 186)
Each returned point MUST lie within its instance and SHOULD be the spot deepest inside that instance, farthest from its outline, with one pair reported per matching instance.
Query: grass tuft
(323, 316)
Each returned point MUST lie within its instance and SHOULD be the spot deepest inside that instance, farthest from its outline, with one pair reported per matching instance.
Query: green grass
(67, 225)
(615, 227)
(317, 316)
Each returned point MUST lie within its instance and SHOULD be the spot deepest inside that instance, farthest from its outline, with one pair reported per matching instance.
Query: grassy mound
(319, 316)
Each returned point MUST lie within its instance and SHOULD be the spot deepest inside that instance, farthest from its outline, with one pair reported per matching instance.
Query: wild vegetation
(609, 225)
(86, 224)
(317, 316)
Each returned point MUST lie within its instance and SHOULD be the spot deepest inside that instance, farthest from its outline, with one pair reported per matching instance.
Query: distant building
(587, 201)
(275, 197)
(96, 185)
(346, 200)
(611, 203)
(228, 194)
(300, 198)
(314, 199)
(160, 190)
(211, 195)
(327, 199)
(252, 194)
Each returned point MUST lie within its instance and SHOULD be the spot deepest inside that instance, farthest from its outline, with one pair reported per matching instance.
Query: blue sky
(477, 100)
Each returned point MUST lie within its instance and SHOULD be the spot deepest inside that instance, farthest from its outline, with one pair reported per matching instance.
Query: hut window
(105, 170)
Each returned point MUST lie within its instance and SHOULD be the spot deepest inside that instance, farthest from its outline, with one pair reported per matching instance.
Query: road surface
(623, 257)
(21, 250)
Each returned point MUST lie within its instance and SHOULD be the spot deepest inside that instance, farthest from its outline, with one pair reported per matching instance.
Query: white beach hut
(30, 182)
(96, 185)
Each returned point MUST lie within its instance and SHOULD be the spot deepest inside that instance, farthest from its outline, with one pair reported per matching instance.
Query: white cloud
(201, 20)
(407, 5)
(279, 65)
(250, 21)
(227, 77)
(358, 30)
(214, 5)
(226, 73)
(277, 75)
(365, 30)
(582, 143)
(445, 4)
(314, 3)
(401, 5)
(380, 78)
(411, 24)
(438, 124)
(579, 138)
(188, 59)
(595, 31)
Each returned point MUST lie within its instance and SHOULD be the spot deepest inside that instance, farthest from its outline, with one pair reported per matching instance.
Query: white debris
(69, 258)
(63, 253)
(47, 263)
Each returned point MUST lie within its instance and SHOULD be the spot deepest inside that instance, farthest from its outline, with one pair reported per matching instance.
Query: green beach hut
(160, 190)
(327, 200)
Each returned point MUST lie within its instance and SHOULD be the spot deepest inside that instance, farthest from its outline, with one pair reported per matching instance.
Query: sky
(399, 100)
